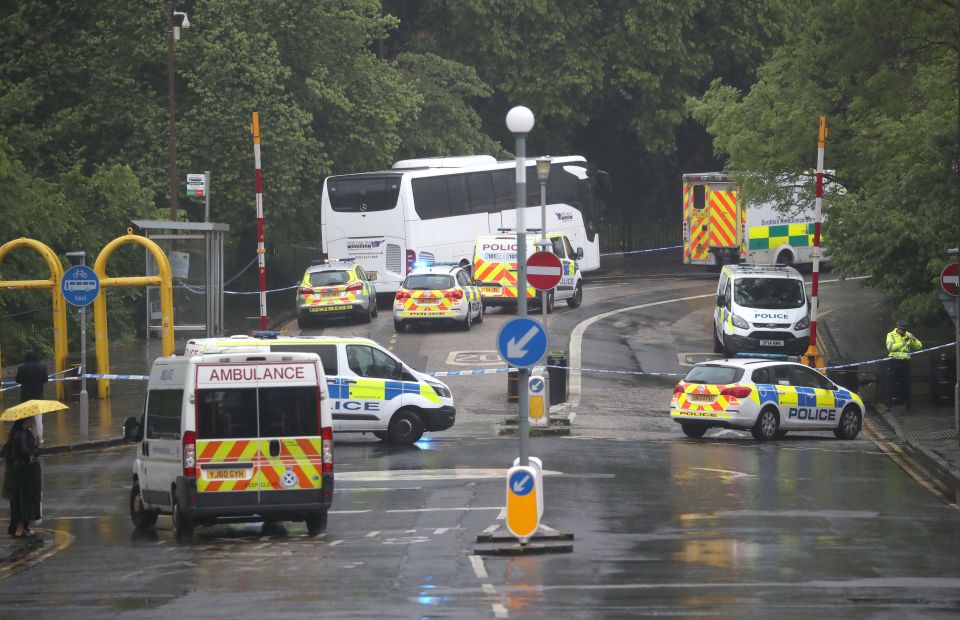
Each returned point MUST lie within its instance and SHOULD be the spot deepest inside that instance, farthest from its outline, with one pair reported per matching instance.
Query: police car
(766, 397)
(370, 390)
(438, 292)
(336, 288)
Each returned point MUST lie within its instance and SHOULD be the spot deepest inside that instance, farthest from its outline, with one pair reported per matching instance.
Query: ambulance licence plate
(771, 343)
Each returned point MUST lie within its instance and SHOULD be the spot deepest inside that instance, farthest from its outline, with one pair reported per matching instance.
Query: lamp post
(543, 175)
(173, 34)
(80, 258)
(520, 121)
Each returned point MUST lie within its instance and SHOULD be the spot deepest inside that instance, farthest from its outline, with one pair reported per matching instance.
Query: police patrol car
(759, 309)
(438, 292)
(233, 437)
(332, 288)
(370, 390)
(495, 269)
(766, 397)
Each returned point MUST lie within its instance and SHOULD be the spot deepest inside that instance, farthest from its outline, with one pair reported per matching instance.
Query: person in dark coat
(21, 483)
(31, 376)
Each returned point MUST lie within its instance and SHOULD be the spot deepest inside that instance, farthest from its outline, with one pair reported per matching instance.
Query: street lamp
(80, 258)
(520, 121)
(543, 175)
(173, 34)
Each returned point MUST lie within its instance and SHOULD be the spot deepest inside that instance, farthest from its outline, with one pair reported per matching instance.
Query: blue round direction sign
(80, 285)
(521, 482)
(522, 342)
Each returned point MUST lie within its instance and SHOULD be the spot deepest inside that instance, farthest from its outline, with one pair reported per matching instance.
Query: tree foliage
(881, 72)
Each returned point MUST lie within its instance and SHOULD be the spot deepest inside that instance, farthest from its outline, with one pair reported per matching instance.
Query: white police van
(370, 390)
(237, 436)
(761, 309)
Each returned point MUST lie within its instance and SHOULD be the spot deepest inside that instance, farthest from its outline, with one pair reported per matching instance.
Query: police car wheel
(577, 299)
(479, 318)
(316, 522)
(849, 426)
(303, 322)
(691, 429)
(766, 427)
(374, 310)
(467, 322)
(141, 517)
(405, 427)
(398, 326)
(364, 316)
(182, 525)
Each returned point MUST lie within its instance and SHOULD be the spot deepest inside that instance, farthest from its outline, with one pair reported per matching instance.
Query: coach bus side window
(430, 197)
(504, 188)
(480, 192)
(457, 192)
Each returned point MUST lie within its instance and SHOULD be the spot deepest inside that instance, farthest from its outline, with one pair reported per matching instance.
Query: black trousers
(898, 382)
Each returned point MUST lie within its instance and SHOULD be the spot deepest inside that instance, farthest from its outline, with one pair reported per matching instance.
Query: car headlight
(802, 323)
(738, 322)
(441, 390)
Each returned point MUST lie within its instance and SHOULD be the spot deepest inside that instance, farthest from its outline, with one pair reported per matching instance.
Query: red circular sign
(544, 270)
(950, 279)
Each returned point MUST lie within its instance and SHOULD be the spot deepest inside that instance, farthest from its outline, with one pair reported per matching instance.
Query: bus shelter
(195, 251)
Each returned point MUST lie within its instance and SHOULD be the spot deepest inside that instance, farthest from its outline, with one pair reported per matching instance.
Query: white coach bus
(432, 210)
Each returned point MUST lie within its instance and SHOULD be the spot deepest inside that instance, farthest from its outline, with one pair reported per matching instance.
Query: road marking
(731, 473)
(428, 474)
(61, 540)
(373, 534)
(478, 568)
(464, 508)
(499, 611)
(474, 358)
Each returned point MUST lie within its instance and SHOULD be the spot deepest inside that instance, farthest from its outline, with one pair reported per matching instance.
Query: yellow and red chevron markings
(723, 218)
(302, 456)
(702, 399)
(427, 301)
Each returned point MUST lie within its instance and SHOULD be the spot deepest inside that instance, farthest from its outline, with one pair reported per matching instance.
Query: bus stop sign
(80, 285)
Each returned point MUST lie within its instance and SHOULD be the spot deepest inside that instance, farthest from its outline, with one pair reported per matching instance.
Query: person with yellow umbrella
(21, 480)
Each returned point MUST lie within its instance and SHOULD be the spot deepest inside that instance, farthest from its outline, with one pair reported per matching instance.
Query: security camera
(186, 20)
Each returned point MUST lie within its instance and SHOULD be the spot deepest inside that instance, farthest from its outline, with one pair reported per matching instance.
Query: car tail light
(454, 294)
(190, 454)
(401, 295)
(678, 388)
(737, 391)
(411, 259)
(355, 287)
(326, 433)
(303, 290)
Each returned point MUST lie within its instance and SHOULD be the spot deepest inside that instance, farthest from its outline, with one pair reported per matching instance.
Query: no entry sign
(544, 270)
(949, 279)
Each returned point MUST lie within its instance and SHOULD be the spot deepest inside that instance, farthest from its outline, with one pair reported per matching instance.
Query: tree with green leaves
(881, 72)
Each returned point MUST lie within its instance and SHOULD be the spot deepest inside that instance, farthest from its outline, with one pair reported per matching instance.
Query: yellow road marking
(61, 541)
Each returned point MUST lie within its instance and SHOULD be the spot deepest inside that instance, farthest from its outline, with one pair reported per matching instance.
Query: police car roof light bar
(263, 334)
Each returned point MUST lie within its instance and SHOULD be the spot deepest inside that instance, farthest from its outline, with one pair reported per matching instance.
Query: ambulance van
(370, 390)
(233, 437)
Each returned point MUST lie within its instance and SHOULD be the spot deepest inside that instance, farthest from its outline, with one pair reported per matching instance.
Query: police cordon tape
(669, 247)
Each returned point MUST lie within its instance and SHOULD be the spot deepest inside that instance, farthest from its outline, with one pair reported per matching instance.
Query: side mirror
(579, 253)
(131, 430)
(371, 278)
(720, 300)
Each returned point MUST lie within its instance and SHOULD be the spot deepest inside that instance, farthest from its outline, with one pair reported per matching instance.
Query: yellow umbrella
(31, 408)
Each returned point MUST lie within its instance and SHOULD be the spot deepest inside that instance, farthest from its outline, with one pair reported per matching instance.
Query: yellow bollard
(58, 304)
(163, 280)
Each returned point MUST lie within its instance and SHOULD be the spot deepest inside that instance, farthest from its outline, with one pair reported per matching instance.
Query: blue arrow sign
(536, 385)
(522, 342)
(521, 483)
(80, 285)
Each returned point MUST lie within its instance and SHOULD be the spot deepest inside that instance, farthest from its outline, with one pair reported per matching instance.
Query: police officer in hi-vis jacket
(900, 343)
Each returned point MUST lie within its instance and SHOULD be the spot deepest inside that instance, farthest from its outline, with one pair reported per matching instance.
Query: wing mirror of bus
(579, 253)
(131, 430)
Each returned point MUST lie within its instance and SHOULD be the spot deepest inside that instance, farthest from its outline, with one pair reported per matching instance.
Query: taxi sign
(80, 285)
(523, 501)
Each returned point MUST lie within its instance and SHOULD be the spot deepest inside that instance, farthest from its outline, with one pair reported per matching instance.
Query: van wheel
(398, 326)
(142, 518)
(405, 427)
(577, 299)
(316, 522)
(717, 345)
(182, 525)
(766, 427)
(691, 429)
(381, 435)
(850, 422)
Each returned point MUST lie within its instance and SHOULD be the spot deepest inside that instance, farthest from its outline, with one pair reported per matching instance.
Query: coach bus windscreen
(360, 194)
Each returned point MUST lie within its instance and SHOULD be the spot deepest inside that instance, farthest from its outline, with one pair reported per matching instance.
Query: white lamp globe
(520, 120)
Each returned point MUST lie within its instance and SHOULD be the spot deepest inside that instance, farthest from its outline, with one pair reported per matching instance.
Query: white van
(233, 437)
(761, 309)
(370, 390)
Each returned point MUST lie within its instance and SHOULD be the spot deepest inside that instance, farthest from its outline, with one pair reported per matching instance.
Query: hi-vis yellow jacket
(899, 347)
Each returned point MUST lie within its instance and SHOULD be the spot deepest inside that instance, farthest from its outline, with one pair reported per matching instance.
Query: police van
(370, 390)
(495, 269)
(761, 309)
(237, 436)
